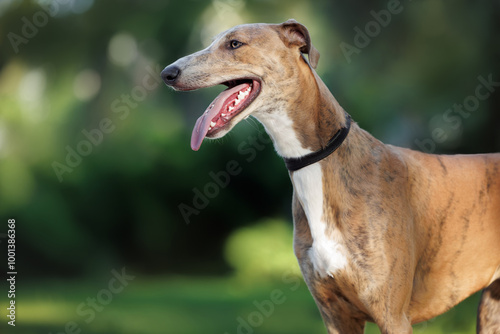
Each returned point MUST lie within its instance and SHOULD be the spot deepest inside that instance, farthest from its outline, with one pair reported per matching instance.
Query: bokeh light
(122, 49)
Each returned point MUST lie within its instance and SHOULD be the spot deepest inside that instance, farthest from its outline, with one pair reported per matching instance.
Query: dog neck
(305, 124)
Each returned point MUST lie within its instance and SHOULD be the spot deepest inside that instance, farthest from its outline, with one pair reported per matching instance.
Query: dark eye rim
(235, 44)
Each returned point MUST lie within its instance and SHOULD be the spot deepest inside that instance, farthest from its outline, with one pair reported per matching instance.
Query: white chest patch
(327, 254)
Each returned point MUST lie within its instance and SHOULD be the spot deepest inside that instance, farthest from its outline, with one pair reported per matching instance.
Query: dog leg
(403, 327)
(339, 323)
(394, 323)
(488, 318)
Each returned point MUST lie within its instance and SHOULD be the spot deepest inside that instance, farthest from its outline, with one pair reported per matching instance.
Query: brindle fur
(422, 231)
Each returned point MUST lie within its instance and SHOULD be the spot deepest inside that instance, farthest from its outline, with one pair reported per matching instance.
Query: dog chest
(327, 253)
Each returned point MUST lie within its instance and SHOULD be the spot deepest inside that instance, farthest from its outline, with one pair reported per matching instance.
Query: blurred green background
(95, 163)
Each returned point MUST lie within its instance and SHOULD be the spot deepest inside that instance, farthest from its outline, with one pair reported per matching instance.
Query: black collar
(294, 164)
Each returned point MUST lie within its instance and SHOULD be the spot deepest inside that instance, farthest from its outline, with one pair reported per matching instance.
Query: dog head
(255, 62)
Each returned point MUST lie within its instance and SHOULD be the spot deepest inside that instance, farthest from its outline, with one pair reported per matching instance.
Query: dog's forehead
(248, 30)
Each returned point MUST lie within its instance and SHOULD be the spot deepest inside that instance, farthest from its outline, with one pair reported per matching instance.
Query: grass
(188, 306)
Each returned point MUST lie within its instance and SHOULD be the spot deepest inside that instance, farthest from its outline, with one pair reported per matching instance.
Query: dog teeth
(242, 95)
(230, 109)
(212, 124)
(223, 115)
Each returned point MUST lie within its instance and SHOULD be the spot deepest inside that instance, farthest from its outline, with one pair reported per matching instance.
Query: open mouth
(228, 104)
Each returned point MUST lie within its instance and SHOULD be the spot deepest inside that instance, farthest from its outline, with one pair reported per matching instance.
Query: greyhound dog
(382, 233)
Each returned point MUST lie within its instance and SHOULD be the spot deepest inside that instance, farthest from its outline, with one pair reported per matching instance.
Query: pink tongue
(203, 123)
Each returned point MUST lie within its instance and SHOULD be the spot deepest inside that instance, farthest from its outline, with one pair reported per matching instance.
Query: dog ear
(296, 34)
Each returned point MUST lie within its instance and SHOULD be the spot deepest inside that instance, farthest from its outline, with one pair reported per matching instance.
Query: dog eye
(234, 44)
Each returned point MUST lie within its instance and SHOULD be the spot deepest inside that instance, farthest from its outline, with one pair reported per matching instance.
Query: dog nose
(170, 74)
